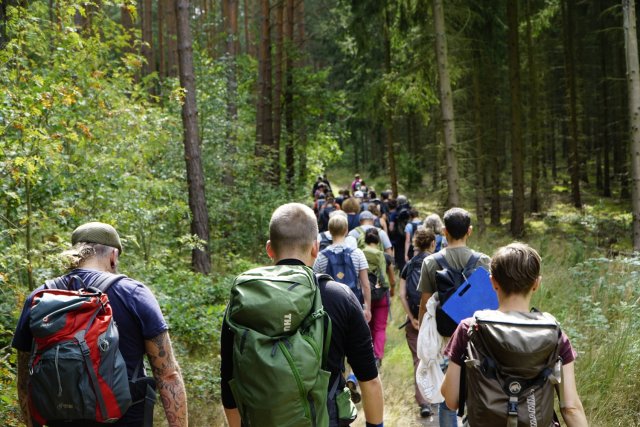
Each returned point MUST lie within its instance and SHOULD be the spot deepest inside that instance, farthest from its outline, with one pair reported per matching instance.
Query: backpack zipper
(296, 375)
(58, 371)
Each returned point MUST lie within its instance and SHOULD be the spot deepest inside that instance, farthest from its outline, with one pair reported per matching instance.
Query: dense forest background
(184, 124)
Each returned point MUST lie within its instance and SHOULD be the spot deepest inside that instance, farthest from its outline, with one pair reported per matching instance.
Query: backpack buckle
(512, 406)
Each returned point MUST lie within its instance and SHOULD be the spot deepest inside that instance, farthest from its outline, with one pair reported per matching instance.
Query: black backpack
(325, 240)
(448, 280)
(323, 217)
(414, 268)
(402, 219)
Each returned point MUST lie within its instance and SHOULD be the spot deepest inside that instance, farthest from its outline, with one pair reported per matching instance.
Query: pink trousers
(378, 324)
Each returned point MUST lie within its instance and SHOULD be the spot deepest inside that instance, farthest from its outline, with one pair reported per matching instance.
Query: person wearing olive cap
(143, 331)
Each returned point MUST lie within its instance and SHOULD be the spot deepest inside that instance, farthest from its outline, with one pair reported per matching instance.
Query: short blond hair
(338, 225)
(294, 226)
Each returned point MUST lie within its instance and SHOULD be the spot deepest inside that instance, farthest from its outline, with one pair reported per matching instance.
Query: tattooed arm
(168, 378)
(23, 374)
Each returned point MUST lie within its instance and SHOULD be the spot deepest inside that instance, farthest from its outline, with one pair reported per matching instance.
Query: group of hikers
(303, 339)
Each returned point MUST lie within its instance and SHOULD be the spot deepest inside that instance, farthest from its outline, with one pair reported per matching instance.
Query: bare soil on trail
(400, 407)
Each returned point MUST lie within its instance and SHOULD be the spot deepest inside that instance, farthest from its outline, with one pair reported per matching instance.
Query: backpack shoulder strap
(105, 280)
(57, 283)
(473, 260)
(324, 278)
(439, 258)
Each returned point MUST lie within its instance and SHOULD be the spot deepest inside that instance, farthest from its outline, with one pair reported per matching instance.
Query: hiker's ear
(270, 252)
(536, 285)
(315, 248)
(494, 283)
(470, 231)
(113, 258)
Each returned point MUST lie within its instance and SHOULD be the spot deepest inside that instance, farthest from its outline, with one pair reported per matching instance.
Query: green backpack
(362, 244)
(280, 347)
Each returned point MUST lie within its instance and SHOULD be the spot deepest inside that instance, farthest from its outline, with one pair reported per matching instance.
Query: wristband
(368, 424)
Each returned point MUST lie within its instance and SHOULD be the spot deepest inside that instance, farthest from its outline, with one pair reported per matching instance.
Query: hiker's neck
(515, 302)
(457, 243)
(307, 259)
(96, 264)
(338, 239)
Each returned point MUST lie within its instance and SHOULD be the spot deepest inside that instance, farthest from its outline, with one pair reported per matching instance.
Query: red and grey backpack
(76, 371)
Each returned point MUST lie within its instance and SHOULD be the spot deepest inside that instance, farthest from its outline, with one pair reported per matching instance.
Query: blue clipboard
(473, 295)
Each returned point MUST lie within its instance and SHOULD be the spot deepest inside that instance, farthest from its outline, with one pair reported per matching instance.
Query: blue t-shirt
(137, 314)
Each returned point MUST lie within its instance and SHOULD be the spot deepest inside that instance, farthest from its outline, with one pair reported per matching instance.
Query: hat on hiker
(97, 232)
(364, 215)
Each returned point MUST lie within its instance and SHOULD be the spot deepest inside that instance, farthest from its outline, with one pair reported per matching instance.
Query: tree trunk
(574, 155)
(127, 22)
(147, 38)
(446, 105)
(517, 157)
(277, 86)
(230, 20)
(172, 48)
(162, 70)
(633, 84)
(393, 175)
(288, 94)
(264, 126)
(479, 149)
(604, 107)
(534, 119)
(200, 259)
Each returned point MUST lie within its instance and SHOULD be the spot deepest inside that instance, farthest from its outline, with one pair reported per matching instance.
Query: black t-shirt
(350, 337)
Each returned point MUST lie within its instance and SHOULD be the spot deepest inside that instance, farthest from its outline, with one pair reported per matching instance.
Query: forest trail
(400, 408)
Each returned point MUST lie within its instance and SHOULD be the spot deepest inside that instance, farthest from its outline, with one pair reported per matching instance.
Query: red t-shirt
(457, 347)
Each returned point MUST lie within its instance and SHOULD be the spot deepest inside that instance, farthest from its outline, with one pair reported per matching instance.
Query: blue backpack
(340, 267)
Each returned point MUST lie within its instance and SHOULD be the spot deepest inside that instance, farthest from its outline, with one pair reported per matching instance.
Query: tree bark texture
(390, 134)
(277, 86)
(479, 148)
(147, 38)
(534, 119)
(172, 48)
(574, 155)
(289, 24)
(232, 48)
(200, 259)
(517, 157)
(265, 151)
(604, 107)
(633, 85)
(446, 105)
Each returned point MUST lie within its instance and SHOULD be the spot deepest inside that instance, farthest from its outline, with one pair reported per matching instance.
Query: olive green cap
(97, 232)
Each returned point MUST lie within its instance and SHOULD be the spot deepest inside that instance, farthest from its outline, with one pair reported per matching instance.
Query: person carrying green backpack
(286, 334)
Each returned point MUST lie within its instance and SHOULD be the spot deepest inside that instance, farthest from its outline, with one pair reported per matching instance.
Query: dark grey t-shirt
(456, 257)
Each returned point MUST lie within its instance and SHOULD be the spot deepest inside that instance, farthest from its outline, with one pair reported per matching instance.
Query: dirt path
(400, 408)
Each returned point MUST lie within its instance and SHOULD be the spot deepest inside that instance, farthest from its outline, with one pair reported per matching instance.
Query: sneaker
(352, 384)
(425, 411)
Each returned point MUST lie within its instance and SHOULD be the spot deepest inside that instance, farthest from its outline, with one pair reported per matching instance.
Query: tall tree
(265, 150)
(147, 49)
(534, 119)
(200, 259)
(446, 105)
(517, 157)
(633, 84)
(277, 86)
(172, 48)
(604, 106)
(232, 49)
(479, 147)
(574, 154)
(390, 137)
(289, 25)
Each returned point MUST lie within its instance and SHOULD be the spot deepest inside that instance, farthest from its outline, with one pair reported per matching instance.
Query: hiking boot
(352, 384)
(425, 411)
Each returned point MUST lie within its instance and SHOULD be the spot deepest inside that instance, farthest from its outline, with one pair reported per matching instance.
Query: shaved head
(293, 227)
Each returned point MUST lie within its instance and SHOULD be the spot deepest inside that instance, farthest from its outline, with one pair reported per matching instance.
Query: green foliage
(192, 304)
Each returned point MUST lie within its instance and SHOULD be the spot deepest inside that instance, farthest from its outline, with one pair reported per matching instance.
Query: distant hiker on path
(94, 259)
(257, 366)
(526, 360)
